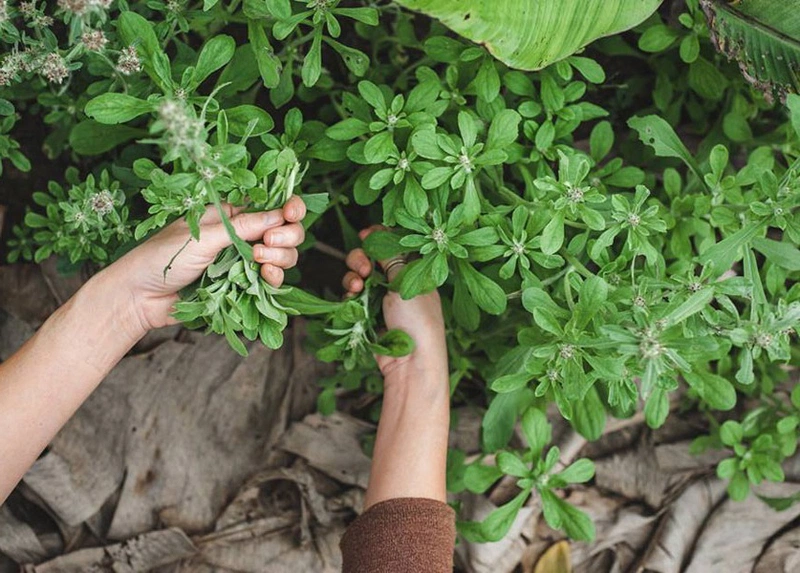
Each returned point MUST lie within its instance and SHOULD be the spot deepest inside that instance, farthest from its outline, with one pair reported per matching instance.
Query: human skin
(46, 381)
(410, 454)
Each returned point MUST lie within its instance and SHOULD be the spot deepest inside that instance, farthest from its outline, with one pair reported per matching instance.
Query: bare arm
(410, 454)
(46, 381)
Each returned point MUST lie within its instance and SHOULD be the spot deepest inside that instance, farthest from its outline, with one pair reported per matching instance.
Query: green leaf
(715, 390)
(537, 430)
(312, 64)
(656, 409)
(394, 343)
(306, 303)
(504, 130)
(658, 134)
(487, 82)
(579, 472)
(111, 109)
(511, 465)
(763, 36)
(589, 415)
(382, 245)
(281, 9)
(793, 103)
(240, 117)
(478, 477)
(783, 254)
(553, 235)
(379, 147)
(657, 38)
(601, 140)
(92, 138)
(723, 254)
(497, 524)
(694, 304)
(593, 295)
(532, 35)
(589, 69)
(269, 66)
(216, 53)
(486, 293)
(731, 433)
(500, 418)
(561, 515)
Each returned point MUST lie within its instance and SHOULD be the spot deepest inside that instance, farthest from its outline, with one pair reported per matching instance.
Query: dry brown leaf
(735, 534)
(17, 540)
(681, 524)
(177, 429)
(138, 554)
(636, 475)
(555, 560)
(782, 556)
(622, 531)
(331, 444)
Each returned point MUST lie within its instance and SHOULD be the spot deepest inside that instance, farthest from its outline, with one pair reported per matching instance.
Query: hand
(139, 275)
(420, 317)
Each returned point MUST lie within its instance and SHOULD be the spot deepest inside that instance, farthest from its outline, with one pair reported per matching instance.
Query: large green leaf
(763, 36)
(532, 34)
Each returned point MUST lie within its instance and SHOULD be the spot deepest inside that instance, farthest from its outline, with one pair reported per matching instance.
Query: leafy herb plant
(610, 230)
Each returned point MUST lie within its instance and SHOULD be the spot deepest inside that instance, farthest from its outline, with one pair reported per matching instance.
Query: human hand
(420, 317)
(139, 275)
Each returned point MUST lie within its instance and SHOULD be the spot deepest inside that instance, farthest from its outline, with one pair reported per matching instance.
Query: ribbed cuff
(403, 535)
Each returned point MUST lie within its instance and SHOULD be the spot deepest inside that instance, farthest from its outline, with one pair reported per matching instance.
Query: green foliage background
(608, 230)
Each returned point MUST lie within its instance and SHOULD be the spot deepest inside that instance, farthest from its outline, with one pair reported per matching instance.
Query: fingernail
(277, 239)
(259, 252)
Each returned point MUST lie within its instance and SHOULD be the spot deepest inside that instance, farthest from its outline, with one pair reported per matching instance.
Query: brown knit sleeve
(404, 535)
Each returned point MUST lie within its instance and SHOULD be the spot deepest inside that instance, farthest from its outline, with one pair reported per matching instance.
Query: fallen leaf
(555, 560)
(138, 554)
(681, 524)
(331, 444)
(735, 534)
(782, 556)
(17, 540)
(175, 431)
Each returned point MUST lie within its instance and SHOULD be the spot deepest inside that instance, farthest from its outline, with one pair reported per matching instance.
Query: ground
(190, 458)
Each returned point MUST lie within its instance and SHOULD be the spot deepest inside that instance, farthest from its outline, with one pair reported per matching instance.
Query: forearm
(410, 454)
(47, 380)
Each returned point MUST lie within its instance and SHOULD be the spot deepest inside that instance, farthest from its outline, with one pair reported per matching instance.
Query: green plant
(613, 228)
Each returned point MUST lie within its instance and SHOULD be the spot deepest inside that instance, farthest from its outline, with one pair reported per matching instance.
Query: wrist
(115, 308)
(416, 378)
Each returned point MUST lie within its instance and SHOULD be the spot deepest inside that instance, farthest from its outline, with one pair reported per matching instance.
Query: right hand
(420, 317)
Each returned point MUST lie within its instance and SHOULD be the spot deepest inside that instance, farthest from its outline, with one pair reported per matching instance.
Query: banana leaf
(532, 34)
(763, 36)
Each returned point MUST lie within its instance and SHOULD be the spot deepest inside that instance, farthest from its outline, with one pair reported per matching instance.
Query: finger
(211, 215)
(272, 274)
(352, 283)
(284, 258)
(364, 233)
(358, 261)
(294, 210)
(285, 236)
(247, 226)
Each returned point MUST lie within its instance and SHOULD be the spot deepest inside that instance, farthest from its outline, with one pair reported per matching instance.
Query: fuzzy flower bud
(54, 68)
(94, 40)
(129, 61)
(81, 7)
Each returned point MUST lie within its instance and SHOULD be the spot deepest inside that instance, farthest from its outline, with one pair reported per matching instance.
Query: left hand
(139, 275)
